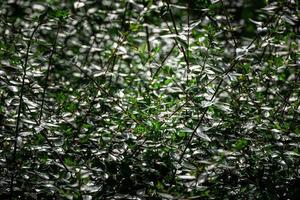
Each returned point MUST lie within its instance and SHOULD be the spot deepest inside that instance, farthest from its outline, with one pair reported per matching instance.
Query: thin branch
(108, 94)
(229, 26)
(176, 31)
(48, 73)
(163, 61)
(20, 108)
(49, 142)
(188, 42)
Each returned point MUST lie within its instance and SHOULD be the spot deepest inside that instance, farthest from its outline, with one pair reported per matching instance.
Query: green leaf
(241, 144)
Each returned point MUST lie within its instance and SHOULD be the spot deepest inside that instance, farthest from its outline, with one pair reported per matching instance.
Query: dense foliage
(143, 99)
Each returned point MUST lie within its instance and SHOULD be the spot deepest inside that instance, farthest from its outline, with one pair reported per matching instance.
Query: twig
(163, 61)
(20, 108)
(48, 73)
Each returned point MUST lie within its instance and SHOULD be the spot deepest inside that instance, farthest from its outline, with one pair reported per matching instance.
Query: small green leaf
(240, 144)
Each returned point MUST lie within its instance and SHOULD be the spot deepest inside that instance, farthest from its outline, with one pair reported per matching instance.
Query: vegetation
(143, 99)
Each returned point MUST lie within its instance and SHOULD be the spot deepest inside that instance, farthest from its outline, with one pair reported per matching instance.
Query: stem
(48, 73)
(19, 111)
(188, 42)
